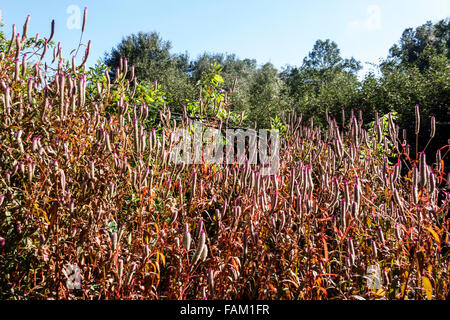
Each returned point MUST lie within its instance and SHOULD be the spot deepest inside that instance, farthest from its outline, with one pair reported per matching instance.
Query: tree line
(415, 72)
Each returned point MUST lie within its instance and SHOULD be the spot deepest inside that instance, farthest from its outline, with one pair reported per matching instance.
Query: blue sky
(281, 32)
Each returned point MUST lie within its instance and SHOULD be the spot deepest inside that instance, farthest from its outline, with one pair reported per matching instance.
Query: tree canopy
(416, 71)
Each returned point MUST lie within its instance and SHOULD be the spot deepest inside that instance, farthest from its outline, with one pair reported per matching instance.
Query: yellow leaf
(428, 288)
(157, 228)
(44, 214)
(163, 258)
(434, 234)
(380, 292)
(46, 217)
(155, 267)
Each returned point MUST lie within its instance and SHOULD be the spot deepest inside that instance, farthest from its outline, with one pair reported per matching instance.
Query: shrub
(85, 179)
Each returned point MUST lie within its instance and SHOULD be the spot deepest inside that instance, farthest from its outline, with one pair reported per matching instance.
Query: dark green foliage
(325, 80)
(153, 61)
(417, 46)
(415, 72)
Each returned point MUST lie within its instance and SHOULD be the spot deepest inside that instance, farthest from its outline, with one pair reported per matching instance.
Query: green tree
(326, 56)
(417, 46)
(267, 97)
(236, 73)
(153, 61)
(325, 80)
(416, 72)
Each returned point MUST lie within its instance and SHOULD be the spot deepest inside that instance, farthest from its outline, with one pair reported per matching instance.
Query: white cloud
(372, 22)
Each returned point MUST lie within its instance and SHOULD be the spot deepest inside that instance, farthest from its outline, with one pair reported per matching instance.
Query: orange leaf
(323, 290)
(274, 290)
(235, 264)
(325, 248)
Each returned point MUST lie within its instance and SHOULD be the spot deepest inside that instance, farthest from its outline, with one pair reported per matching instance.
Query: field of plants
(85, 179)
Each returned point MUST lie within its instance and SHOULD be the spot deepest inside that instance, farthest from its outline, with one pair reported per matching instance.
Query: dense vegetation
(85, 178)
(417, 71)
